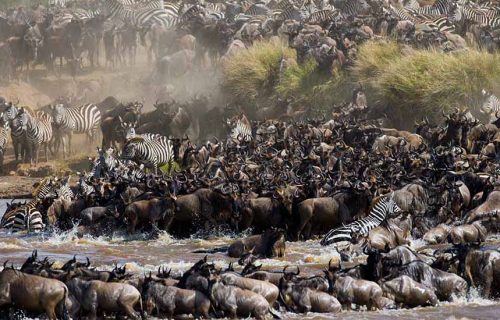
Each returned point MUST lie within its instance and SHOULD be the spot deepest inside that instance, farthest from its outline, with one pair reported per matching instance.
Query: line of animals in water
(398, 278)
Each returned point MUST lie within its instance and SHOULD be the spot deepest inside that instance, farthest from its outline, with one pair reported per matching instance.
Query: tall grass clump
(372, 60)
(310, 86)
(253, 73)
(419, 83)
(404, 83)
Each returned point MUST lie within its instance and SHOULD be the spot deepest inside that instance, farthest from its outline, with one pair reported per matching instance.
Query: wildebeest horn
(298, 271)
(88, 262)
(5, 263)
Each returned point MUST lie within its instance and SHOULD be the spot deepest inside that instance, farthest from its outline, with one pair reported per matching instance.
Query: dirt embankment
(16, 187)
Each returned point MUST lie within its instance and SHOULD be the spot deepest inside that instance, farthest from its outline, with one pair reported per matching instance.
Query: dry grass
(252, 74)
(407, 83)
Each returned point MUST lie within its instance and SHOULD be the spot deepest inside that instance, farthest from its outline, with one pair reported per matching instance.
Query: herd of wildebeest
(374, 188)
(343, 177)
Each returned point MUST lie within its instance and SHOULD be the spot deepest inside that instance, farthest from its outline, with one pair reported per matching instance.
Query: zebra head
(45, 189)
(57, 113)
(129, 130)
(9, 113)
(20, 122)
(392, 207)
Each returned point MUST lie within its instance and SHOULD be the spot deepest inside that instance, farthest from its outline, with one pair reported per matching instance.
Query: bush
(313, 87)
(425, 82)
(251, 74)
(406, 83)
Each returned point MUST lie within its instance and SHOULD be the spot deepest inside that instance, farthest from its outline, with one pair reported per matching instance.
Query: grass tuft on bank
(405, 82)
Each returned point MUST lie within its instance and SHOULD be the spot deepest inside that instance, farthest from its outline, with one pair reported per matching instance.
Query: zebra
(82, 119)
(441, 24)
(154, 151)
(59, 3)
(37, 131)
(4, 135)
(241, 129)
(382, 209)
(465, 13)
(27, 216)
(321, 16)
(491, 105)
(444, 7)
(16, 134)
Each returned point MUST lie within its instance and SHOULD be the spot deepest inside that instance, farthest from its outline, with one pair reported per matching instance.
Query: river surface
(143, 255)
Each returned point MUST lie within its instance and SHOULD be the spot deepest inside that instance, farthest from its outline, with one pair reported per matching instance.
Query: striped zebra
(322, 16)
(491, 105)
(27, 217)
(152, 151)
(441, 24)
(4, 135)
(468, 14)
(59, 3)
(241, 130)
(82, 119)
(444, 7)
(17, 134)
(383, 208)
(37, 131)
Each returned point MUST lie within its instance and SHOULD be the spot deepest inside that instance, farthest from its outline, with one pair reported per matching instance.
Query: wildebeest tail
(61, 307)
(214, 250)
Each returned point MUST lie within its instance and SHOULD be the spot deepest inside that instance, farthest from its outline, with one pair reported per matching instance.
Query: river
(142, 255)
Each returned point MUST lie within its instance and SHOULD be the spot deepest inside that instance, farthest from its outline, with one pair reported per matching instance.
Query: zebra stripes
(152, 13)
(321, 16)
(481, 17)
(384, 208)
(82, 119)
(241, 129)
(491, 105)
(152, 150)
(37, 131)
(27, 216)
(4, 135)
(17, 134)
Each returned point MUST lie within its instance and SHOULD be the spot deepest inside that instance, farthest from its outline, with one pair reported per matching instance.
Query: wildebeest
(96, 295)
(350, 290)
(446, 284)
(269, 244)
(481, 268)
(410, 293)
(437, 234)
(264, 288)
(149, 211)
(317, 216)
(174, 301)
(234, 301)
(303, 299)
(468, 233)
(33, 293)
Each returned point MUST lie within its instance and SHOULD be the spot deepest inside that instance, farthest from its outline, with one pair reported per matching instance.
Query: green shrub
(405, 82)
(251, 74)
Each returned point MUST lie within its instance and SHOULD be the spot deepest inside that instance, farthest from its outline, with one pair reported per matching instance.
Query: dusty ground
(16, 187)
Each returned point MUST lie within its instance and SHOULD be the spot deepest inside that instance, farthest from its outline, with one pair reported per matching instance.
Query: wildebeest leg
(16, 150)
(50, 310)
(128, 310)
(307, 231)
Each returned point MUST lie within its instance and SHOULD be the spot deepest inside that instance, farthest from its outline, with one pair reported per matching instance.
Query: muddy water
(143, 255)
